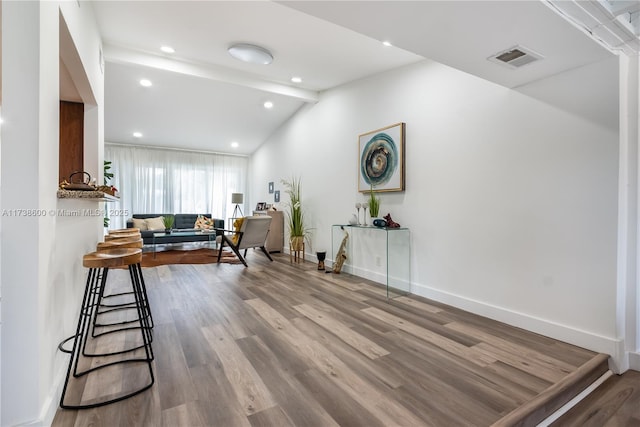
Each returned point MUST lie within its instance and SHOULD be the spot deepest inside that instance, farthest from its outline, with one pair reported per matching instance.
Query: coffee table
(183, 236)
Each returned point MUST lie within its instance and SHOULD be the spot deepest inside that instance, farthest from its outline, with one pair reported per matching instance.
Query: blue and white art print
(381, 159)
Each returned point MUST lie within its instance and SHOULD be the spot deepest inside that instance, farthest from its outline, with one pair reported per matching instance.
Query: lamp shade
(236, 198)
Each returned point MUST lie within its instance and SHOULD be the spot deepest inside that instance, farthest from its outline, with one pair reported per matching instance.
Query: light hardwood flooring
(281, 344)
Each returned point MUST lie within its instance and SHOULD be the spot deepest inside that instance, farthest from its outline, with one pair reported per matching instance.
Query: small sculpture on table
(390, 222)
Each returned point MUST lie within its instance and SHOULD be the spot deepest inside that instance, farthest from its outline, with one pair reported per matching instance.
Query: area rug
(197, 256)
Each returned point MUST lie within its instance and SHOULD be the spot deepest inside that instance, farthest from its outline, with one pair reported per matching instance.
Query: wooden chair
(252, 234)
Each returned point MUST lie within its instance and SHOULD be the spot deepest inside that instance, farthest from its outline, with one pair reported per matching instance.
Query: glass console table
(379, 254)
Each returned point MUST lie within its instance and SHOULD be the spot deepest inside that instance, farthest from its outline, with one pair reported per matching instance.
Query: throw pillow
(140, 224)
(203, 223)
(237, 225)
(155, 223)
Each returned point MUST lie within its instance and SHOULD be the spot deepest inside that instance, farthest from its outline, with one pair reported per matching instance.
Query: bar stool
(99, 264)
(106, 306)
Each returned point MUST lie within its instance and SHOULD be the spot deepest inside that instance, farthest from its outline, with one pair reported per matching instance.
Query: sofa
(182, 222)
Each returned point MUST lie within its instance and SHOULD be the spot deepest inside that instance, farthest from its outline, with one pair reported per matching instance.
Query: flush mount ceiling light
(145, 82)
(137, 134)
(251, 53)
(268, 105)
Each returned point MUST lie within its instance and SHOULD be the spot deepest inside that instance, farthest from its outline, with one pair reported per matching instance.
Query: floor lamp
(237, 198)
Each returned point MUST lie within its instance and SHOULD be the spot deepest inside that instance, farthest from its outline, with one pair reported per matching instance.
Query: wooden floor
(615, 403)
(279, 344)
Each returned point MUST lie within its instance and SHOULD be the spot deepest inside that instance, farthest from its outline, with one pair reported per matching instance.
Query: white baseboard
(634, 361)
(591, 341)
(50, 405)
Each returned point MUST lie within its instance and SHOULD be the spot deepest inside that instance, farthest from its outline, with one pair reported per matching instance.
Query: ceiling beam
(618, 7)
(123, 55)
(596, 20)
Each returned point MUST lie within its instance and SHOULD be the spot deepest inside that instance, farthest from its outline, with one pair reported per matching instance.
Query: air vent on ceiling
(515, 57)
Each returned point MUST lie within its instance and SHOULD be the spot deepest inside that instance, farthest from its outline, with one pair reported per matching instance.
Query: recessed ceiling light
(137, 134)
(251, 53)
(296, 79)
(268, 104)
(234, 144)
(387, 43)
(145, 82)
(167, 49)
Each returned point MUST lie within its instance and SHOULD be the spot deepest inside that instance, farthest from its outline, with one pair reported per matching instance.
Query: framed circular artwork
(381, 159)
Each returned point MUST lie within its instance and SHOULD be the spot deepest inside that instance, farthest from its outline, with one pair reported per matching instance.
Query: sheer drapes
(153, 180)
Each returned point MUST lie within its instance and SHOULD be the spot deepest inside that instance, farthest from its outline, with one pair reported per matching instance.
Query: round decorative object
(379, 159)
(379, 222)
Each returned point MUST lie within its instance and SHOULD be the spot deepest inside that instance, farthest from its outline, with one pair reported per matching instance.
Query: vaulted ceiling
(203, 99)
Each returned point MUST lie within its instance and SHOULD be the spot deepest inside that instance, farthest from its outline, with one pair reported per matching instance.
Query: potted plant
(298, 231)
(374, 204)
(168, 223)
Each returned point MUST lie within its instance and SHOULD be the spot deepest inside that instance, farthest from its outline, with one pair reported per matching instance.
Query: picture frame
(261, 206)
(381, 159)
(271, 187)
(276, 196)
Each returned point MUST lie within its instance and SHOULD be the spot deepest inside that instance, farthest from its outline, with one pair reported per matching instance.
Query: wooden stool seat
(119, 243)
(122, 236)
(112, 258)
(124, 230)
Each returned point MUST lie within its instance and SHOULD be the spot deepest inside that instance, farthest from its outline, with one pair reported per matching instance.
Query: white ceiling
(203, 99)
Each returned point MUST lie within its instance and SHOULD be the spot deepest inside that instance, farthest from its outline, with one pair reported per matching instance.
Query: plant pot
(297, 243)
(167, 231)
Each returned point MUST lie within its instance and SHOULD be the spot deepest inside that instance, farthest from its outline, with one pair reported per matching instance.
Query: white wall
(511, 201)
(41, 263)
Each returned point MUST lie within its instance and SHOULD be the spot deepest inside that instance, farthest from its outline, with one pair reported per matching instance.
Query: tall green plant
(295, 216)
(374, 204)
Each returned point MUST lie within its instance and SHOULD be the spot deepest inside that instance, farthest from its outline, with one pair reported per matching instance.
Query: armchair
(252, 234)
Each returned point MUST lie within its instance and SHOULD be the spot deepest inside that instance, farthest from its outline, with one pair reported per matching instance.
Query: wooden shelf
(98, 196)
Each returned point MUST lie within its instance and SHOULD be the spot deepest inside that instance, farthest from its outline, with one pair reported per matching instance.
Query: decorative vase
(167, 231)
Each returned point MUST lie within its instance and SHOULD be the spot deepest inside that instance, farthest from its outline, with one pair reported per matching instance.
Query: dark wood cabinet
(71, 148)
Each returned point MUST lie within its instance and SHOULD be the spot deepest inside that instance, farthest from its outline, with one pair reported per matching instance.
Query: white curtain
(153, 180)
